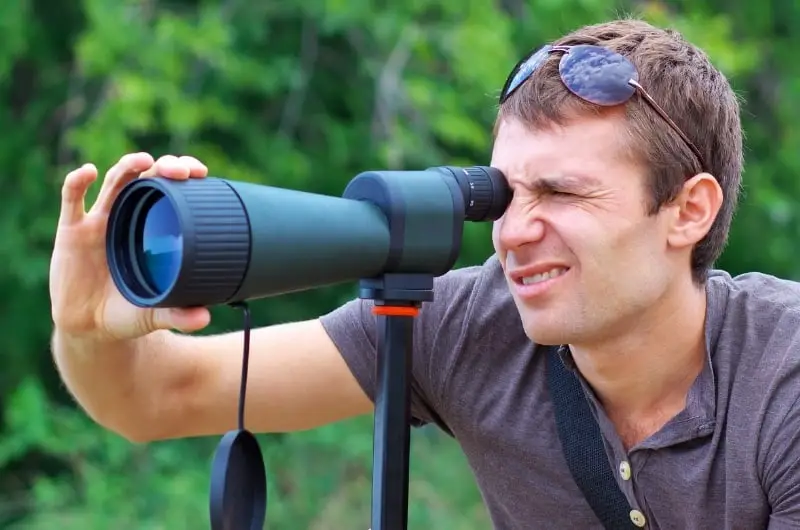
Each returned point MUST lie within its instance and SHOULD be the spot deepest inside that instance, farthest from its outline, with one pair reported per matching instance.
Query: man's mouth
(555, 272)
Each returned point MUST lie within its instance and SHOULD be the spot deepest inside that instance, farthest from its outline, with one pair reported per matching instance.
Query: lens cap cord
(238, 499)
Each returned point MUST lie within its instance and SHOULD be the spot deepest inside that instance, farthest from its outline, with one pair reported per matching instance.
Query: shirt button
(637, 518)
(625, 470)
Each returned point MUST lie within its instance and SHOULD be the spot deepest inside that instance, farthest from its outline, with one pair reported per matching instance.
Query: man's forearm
(122, 385)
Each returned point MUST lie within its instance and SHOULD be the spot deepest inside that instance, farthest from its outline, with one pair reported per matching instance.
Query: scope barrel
(209, 241)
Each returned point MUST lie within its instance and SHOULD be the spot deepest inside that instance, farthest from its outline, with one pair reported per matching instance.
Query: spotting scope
(209, 241)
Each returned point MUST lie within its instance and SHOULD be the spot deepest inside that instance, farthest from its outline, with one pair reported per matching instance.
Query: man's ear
(694, 210)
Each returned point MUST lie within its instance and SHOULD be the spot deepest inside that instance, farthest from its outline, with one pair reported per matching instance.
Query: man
(622, 200)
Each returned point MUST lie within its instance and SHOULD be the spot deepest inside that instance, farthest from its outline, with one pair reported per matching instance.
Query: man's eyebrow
(565, 183)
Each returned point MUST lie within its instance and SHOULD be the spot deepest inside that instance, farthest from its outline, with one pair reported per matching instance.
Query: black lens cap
(238, 498)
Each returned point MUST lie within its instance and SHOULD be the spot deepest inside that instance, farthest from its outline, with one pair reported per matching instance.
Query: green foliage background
(301, 95)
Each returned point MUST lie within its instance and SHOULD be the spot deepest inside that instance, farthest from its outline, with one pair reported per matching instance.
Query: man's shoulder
(758, 289)
(489, 268)
(754, 311)
(754, 332)
(758, 377)
(483, 286)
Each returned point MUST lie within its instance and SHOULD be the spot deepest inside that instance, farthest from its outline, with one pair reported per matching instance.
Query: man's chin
(546, 333)
(547, 338)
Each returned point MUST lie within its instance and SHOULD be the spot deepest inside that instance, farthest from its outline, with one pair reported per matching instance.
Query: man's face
(582, 258)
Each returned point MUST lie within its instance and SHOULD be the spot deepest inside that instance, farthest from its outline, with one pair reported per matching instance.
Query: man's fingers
(126, 169)
(167, 166)
(136, 165)
(196, 168)
(73, 193)
(178, 168)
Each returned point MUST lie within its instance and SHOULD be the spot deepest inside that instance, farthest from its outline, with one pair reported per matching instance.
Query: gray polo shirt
(730, 460)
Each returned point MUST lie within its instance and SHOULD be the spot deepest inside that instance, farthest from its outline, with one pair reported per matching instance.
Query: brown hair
(682, 80)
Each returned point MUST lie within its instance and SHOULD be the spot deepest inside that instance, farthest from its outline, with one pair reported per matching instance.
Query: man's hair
(682, 80)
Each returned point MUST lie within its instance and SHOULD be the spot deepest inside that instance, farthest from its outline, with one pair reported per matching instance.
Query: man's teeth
(536, 278)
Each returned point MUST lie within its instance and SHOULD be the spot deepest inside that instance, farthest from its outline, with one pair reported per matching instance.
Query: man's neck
(644, 376)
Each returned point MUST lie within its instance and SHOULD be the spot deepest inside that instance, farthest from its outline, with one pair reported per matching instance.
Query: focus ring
(480, 194)
(217, 249)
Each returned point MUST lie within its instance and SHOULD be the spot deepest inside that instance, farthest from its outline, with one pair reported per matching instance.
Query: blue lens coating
(598, 75)
(525, 70)
(162, 245)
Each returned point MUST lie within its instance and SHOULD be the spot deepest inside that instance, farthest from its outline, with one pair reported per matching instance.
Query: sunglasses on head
(595, 74)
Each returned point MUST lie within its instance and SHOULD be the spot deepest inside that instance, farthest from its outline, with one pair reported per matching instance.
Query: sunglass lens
(598, 74)
(524, 71)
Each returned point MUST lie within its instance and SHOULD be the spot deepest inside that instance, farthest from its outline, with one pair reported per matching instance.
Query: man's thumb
(186, 320)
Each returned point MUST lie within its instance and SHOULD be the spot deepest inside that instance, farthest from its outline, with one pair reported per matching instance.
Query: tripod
(398, 298)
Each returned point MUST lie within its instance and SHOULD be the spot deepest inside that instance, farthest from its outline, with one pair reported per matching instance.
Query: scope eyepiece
(485, 190)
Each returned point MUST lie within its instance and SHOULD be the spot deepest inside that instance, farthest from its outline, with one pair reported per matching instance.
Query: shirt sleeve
(352, 327)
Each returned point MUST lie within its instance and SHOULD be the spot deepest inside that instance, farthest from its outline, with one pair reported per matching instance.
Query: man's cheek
(496, 234)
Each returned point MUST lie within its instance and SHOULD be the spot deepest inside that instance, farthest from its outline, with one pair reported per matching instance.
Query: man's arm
(168, 385)
(134, 375)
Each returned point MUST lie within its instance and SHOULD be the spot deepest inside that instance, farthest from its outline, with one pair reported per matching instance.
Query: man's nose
(519, 227)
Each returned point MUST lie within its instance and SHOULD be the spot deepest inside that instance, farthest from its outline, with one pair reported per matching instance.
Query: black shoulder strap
(583, 446)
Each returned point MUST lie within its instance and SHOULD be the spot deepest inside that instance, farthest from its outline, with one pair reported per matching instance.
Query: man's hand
(85, 302)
